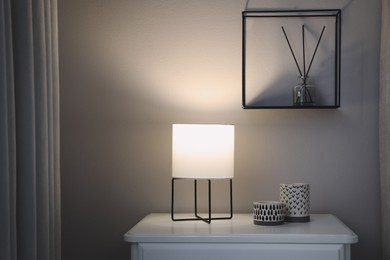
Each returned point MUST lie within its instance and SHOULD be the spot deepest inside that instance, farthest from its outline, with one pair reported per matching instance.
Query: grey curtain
(384, 127)
(29, 131)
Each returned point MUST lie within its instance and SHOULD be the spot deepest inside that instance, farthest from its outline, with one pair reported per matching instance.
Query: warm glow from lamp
(202, 151)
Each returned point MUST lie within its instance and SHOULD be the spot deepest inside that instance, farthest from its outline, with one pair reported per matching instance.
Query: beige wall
(131, 68)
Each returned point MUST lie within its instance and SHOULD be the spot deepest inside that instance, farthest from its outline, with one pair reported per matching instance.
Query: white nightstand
(157, 237)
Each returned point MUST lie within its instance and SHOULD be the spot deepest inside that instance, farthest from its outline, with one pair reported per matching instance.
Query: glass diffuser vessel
(303, 93)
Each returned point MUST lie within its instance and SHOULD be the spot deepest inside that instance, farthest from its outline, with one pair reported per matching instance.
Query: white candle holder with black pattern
(268, 213)
(296, 198)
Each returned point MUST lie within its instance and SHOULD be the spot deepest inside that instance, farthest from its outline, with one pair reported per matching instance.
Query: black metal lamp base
(196, 215)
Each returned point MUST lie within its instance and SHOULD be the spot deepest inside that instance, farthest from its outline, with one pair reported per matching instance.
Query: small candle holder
(268, 213)
(296, 198)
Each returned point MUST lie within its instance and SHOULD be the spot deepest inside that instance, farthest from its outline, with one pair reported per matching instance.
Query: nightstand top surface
(158, 228)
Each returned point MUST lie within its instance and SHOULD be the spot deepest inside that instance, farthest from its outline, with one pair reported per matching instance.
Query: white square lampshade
(202, 151)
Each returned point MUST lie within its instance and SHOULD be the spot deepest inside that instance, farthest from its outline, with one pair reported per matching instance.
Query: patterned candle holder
(296, 198)
(268, 213)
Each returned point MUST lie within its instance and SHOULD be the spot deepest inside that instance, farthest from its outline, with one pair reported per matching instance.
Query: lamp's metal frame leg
(209, 217)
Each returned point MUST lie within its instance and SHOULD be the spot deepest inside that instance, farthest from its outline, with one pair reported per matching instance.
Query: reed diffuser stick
(315, 51)
(303, 51)
(292, 52)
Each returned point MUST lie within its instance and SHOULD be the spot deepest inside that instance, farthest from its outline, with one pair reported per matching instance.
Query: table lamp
(202, 152)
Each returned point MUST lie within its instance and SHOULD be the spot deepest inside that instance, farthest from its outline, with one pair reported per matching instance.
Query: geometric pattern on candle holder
(268, 211)
(296, 198)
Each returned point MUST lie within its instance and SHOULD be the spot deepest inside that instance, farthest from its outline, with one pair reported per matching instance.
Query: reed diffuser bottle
(303, 93)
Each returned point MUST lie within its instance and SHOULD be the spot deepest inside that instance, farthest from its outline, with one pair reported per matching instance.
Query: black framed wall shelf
(291, 58)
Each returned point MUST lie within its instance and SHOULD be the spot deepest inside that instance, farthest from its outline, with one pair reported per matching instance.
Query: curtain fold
(384, 127)
(29, 131)
(7, 138)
